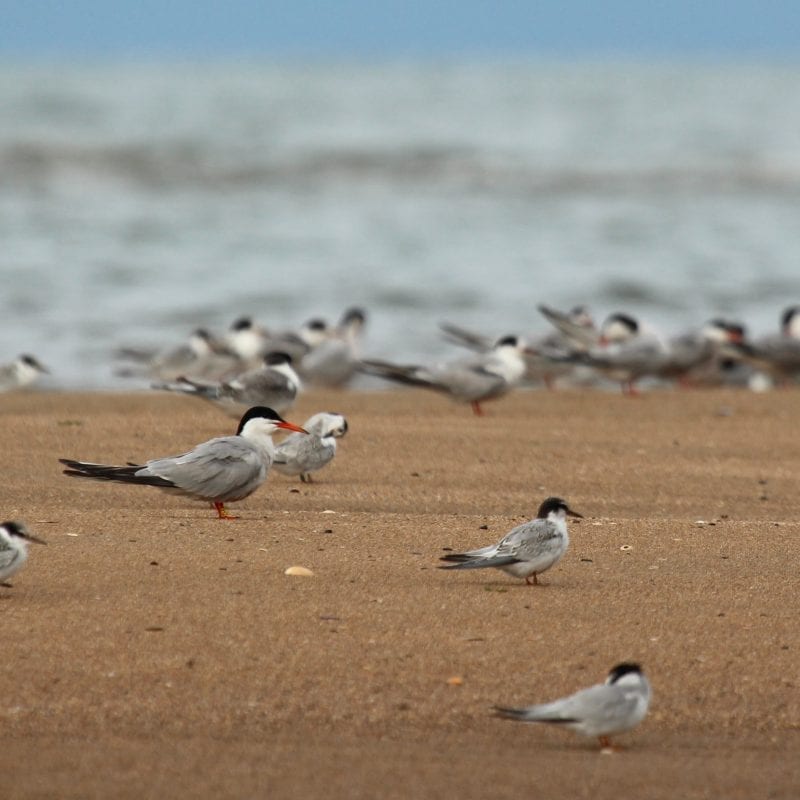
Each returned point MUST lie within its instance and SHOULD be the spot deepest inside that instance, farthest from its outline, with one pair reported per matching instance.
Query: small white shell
(303, 572)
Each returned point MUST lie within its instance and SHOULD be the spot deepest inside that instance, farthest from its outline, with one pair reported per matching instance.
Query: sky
(359, 28)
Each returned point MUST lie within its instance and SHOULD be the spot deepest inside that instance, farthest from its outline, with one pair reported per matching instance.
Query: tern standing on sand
(302, 455)
(615, 706)
(475, 380)
(527, 550)
(220, 470)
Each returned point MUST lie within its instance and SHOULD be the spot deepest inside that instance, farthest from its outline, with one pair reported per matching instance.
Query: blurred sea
(140, 201)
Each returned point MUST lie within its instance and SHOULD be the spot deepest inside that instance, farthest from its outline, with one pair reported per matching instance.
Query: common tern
(625, 352)
(776, 355)
(541, 351)
(483, 377)
(696, 356)
(14, 538)
(275, 384)
(616, 706)
(527, 550)
(301, 455)
(221, 470)
(333, 361)
(23, 371)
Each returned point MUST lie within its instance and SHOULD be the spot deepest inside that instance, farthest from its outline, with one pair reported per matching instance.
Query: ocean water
(138, 201)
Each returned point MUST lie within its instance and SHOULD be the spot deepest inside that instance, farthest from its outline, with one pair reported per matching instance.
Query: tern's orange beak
(290, 426)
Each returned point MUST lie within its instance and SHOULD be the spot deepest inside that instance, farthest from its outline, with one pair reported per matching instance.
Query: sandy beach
(152, 650)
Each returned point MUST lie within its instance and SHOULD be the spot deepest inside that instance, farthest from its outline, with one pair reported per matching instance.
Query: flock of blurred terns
(250, 365)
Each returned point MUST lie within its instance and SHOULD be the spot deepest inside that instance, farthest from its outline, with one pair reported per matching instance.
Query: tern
(576, 331)
(697, 356)
(248, 340)
(302, 455)
(201, 356)
(333, 361)
(527, 550)
(275, 384)
(14, 538)
(483, 377)
(221, 470)
(616, 706)
(298, 343)
(625, 352)
(21, 372)
(777, 355)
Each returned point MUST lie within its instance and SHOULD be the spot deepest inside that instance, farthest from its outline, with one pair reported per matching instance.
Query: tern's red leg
(606, 744)
(222, 512)
(629, 389)
(535, 580)
(476, 408)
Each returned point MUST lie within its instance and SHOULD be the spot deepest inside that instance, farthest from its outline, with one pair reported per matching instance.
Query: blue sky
(358, 28)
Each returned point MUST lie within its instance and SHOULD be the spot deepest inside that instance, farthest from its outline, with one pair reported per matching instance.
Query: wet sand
(152, 650)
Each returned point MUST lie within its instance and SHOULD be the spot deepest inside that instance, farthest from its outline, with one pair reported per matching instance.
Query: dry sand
(153, 651)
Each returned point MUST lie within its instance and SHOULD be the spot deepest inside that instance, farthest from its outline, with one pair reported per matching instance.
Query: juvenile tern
(616, 706)
(221, 470)
(21, 372)
(275, 384)
(527, 550)
(301, 455)
(14, 538)
(475, 380)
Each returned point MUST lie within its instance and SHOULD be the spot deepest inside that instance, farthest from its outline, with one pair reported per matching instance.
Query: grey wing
(579, 336)
(517, 539)
(464, 338)
(600, 704)
(526, 538)
(469, 382)
(481, 552)
(255, 387)
(8, 555)
(227, 468)
(782, 351)
(306, 452)
(529, 540)
(642, 356)
(332, 363)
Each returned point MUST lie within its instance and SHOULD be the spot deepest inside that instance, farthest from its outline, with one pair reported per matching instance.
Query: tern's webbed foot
(222, 512)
